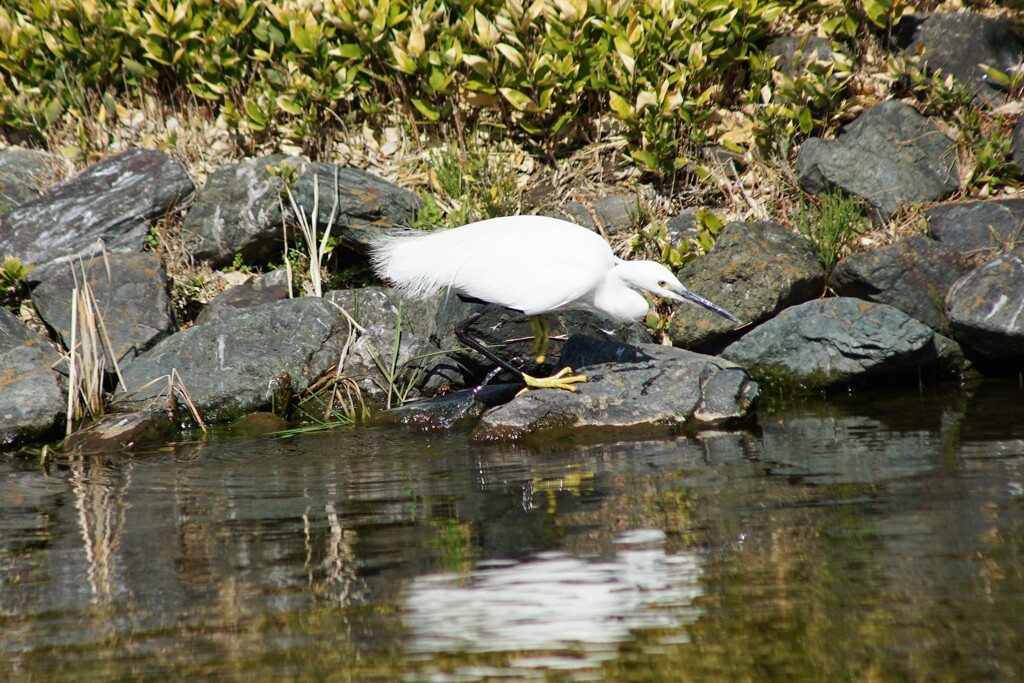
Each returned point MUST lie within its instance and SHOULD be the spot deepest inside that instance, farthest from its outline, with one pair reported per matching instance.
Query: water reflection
(99, 498)
(556, 601)
(872, 536)
(864, 438)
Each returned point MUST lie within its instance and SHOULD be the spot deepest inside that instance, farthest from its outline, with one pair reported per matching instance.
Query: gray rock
(32, 404)
(754, 270)
(683, 227)
(112, 204)
(796, 53)
(132, 299)
(1017, 144)
(379, 307)
(274, 278)
(377, 310)
(239, 209)
(617, 212)
(122, 431)
(245, 295)
(986, 309)
(231, 365)
(610, 214)
(366, 204)
(979, 230)
(575, 212)
(663, 387)
(831, 342)
(912, 275)
(15, 333)
(960, 43)
(890, 157)
(458, 410)
(24, 174)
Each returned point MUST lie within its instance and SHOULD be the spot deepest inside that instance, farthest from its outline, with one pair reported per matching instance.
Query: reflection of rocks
(867, 438)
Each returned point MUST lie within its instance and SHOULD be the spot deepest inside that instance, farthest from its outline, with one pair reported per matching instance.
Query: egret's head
(655, 278)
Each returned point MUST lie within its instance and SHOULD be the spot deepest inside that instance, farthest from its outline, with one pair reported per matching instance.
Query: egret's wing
(529, 263)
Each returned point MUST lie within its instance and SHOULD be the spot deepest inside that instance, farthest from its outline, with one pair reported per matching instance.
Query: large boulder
(245, 295)
(890, 157)
(109, 206)
(754, 271)
(131, 297)
(912, 275)
(234, 364)
(980, 230)
(358, 205)
(239, 209)
(986, 309)
(32, 404)
(838, 341)
(959, 44)
(649, 386)
(386, 372)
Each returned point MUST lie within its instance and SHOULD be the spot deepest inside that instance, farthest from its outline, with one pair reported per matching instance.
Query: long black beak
(701, 301)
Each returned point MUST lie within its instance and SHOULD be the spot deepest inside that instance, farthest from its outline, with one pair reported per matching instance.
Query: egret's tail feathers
(403, 257)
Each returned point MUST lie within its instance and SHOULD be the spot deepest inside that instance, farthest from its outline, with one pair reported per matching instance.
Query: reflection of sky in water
(555, 602)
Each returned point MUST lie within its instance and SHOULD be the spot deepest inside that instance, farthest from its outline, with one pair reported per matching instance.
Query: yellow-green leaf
(625, 52)
(517, 99)
(417, 41)
(645, 158)
(619, 105)
(511, 54)
(428, 110)
(289, 104)
(304, 38)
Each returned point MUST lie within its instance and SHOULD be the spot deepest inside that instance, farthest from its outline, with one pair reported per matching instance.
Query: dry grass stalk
(316, 249)
(91, 354)
(175, 388)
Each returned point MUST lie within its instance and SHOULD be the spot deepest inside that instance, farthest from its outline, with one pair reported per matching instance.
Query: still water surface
(867, 537)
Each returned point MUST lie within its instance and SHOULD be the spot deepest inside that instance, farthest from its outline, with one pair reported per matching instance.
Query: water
(864, 537)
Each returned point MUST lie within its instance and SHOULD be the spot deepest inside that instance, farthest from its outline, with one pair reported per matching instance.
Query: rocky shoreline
(927, 307)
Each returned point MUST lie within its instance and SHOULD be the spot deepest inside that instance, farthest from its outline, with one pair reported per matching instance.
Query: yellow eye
(663, 283)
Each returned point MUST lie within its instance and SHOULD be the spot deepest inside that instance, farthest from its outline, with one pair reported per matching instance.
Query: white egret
(531, 264)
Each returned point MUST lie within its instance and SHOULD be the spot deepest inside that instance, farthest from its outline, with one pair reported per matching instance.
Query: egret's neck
(616, 299)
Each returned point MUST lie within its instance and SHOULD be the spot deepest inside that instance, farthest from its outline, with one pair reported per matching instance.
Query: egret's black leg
(563, 379)
(462, 332)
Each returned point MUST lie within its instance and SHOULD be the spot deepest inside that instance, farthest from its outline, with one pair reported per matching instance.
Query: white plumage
(532, 264)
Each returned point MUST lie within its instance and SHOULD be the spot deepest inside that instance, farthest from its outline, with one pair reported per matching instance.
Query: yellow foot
(563, 379)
